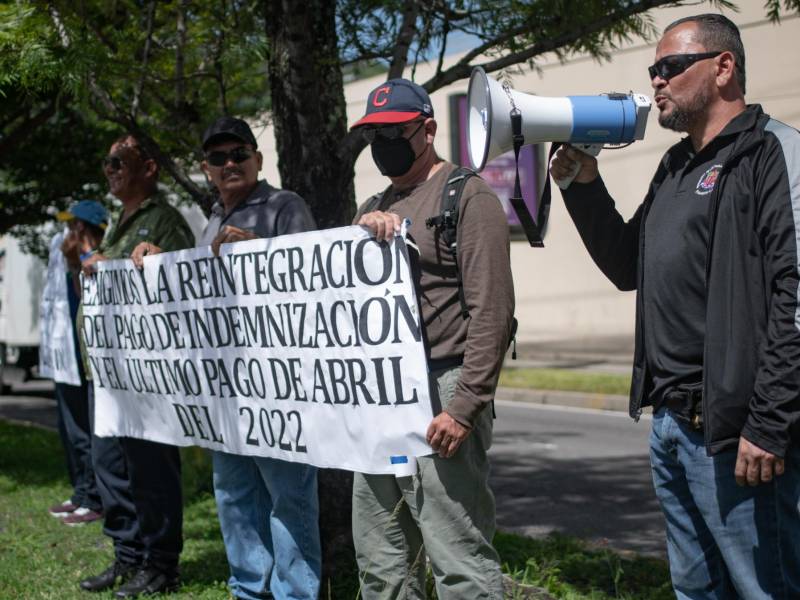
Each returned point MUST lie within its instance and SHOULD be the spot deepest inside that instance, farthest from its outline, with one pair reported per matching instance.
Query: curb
(557, 398)
(24, 409)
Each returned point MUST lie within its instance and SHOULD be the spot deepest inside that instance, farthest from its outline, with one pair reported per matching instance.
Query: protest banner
(58, 359)
(305, 347)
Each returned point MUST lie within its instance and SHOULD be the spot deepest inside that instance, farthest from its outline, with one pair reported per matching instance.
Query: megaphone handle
(591, 150)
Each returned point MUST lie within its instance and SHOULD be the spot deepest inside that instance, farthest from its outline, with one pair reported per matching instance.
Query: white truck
(21, 281)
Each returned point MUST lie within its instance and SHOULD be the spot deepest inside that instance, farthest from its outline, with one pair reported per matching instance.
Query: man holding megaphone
(713, 253)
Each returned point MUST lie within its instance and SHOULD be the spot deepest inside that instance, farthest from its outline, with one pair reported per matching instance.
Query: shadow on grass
(203, 560)
(31, 456)
(564, 565)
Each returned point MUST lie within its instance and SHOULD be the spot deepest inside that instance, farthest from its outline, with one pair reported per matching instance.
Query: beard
(683, 116)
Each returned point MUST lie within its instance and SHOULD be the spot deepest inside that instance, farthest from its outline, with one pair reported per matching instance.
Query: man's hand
(445, 434)
(143, 249)
(754, 465)
(383, 225)
(563, 163)
(88, 266)
(230, 234)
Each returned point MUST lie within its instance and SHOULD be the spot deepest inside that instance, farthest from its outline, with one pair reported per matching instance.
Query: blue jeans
(724, 541)
(269, 515)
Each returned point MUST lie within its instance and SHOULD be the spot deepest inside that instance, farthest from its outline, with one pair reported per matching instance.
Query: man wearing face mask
(446, 510)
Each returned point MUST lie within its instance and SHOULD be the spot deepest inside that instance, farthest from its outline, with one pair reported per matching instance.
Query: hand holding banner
(306, 347)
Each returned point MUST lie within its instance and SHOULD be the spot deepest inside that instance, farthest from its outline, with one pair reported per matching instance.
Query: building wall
(560, 293)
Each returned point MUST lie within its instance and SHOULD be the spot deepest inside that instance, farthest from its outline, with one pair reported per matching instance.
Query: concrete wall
(560, 293)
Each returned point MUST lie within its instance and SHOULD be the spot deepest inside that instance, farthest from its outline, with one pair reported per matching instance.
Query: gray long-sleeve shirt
(483, 258)
(267, 212)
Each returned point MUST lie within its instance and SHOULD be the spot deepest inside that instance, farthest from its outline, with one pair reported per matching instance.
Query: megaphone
(582, 121)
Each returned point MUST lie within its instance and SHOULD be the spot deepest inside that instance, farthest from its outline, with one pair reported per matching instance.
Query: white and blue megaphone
(586, 122)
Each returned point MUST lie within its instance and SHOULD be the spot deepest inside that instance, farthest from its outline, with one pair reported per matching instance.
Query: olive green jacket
(155, 221)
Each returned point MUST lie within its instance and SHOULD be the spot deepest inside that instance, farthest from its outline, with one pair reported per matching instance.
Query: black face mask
(394, 157)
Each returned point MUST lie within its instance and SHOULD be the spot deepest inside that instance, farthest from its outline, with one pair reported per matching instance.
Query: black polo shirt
(675, 252)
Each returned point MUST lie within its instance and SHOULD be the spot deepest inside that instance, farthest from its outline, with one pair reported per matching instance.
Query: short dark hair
(132, 141)
(718, 32)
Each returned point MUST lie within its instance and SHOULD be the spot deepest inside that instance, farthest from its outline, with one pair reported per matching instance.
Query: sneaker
(81, 516)
(59, 511)
(149, 580)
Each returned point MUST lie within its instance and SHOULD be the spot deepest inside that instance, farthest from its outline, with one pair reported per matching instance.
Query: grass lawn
(41, 558)
(568, 380)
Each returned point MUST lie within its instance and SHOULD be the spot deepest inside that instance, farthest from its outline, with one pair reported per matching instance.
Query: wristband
(88, 254)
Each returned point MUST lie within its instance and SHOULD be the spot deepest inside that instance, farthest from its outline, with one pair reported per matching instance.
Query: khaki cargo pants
(447, 511)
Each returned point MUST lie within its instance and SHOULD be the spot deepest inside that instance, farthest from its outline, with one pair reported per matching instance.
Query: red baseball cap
(396, 101)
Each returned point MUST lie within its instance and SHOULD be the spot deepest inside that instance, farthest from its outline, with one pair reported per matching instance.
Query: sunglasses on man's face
(113, 163)
(389, 132)
(675, 64)
(218, 158)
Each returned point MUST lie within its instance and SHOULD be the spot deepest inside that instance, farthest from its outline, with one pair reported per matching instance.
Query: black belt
(440, 364)
(687, 404)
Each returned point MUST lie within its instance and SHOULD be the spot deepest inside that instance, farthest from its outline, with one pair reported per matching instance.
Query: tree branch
(219, 75)
(9, 142)
(151, 10)
(445, 32)
(486, 46)
(22, 110)
(180, 85)
(463, 68)
(365, 57)
(408, 29)
(117, 115)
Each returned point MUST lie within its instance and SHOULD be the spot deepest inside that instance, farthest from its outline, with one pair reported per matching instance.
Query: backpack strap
(446, 222)
(374, 202)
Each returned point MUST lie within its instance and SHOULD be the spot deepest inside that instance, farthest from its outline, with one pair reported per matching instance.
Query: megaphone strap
(534, 230)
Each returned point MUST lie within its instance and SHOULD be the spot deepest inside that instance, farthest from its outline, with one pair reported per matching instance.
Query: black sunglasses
(389, 132)
(218, 158)
(675, 64)
(114, 163)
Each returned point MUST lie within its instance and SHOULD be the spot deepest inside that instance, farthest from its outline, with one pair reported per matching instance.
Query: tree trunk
(310, 121)
(308, 107)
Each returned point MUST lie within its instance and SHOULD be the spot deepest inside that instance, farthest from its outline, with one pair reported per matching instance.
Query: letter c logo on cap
(381, 96)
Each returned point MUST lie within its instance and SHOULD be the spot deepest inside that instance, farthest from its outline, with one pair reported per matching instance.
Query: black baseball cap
(396, 101)
(228, 128)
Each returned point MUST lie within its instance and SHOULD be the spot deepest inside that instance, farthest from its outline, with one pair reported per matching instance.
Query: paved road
(30, 402)
(580, 472)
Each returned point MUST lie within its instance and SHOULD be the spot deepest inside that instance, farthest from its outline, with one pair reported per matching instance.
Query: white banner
(57, 356)
(304, 347)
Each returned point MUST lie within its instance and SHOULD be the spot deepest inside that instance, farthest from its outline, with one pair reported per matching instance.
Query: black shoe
(108, 578)
(149, 580)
